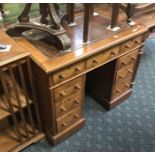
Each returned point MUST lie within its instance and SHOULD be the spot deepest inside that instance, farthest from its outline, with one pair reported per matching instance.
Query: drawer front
(68, 104)
(68, 89)
(68, 72)
(126, 46)
(120, 88)
(129, 58)
(102, 57)
(124, 73)
(132, 43)
(69, 119)
(94, 61)
(137, 41)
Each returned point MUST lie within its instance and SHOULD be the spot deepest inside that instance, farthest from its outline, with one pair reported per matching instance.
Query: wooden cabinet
(117, 85)
(19, 125)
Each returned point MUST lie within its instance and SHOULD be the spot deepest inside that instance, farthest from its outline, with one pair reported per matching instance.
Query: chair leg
(87, 9)
(130, 12)
(115, 15)
(70, 14)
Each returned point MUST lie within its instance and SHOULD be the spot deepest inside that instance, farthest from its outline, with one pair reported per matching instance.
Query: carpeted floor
(128, 127)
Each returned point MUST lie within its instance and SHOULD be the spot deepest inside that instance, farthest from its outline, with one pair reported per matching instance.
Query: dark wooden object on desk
(52, 26)
(107, 63)
(19, 126)
(70, 13)
(136, 9)
(115, 15)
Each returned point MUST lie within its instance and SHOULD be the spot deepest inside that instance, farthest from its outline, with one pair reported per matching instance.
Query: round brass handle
(64, 124)
(130, 71)
(77, 86)
(95, 61)
(121, 76)
(76, 101)
(76, 116)
(113, 53)
(77, 68)
(62, 93)
(63, 109)
(127, 85)
(61, 76)
(137, 42)
(118, 91)
(124, 63)
(126, 46)
(133, 58)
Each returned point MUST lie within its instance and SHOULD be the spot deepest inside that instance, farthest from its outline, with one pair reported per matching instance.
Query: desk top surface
(100, 38)
(16, 51)
(50, 64)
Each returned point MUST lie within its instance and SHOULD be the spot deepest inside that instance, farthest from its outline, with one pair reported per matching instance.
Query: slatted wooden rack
(19, 116)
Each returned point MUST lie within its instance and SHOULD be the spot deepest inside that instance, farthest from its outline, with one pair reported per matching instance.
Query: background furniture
(19, 117)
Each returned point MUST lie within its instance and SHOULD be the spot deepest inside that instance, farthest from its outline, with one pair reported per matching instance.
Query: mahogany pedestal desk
(107, 65)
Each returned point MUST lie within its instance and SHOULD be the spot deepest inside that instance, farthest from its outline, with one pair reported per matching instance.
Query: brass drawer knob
(127, 46)
(95, 61)
(124, 63)
(127, 85)
(118, 91)
(63, 109)
(130, 71)
(136, 41)
(64, 124)
(77, 69)
(76, 101)
(113, 53)
(61, 76)
(77, 86)
(62, 93)
(133, 58)
(121, 76)
(76, 116)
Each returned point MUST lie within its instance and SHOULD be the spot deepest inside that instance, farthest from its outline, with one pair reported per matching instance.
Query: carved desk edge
(52, 65)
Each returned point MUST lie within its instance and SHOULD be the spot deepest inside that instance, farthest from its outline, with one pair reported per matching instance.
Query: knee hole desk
(107, 66)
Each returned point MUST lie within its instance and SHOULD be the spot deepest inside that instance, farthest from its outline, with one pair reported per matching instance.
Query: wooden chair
(133, 9)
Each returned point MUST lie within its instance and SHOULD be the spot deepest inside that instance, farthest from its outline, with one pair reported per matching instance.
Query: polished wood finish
(52, 63)
(19, 126)
(60, 78)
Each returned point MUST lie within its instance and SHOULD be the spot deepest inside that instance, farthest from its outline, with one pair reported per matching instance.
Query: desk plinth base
(55, 139)
(108, 105)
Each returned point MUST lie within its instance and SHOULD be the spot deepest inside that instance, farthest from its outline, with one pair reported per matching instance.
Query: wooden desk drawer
(132, 43)
(124, 73)
(68, 104)
(137, 41)
(67, 72)
(68, 88)
(126, 46)
(102, 57)
(120, 88)
(127, 59)
(69, 119)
